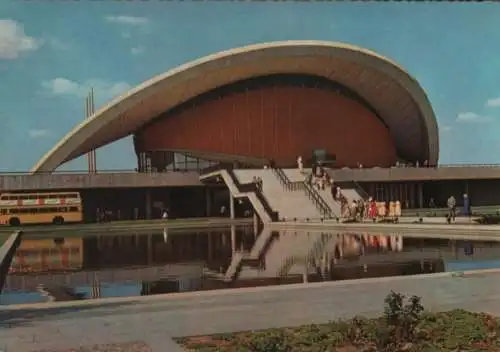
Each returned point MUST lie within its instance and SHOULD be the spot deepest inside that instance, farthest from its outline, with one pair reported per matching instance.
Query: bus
(52, 254)
(40, 208)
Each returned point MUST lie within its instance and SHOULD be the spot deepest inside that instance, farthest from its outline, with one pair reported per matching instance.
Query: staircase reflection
(286, 256)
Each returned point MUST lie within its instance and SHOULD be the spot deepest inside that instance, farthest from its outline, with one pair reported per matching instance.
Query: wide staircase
(292, 200)
(296, 177)
(240, 189)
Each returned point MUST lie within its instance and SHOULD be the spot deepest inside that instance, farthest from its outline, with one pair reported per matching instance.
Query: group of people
(371, 209)
(258, 182)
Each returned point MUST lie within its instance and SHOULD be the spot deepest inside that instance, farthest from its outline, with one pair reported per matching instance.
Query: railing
(108, 171)
(361, 191)
(86, 172)
(244, 187)
(311, 193)
(318, 201)
(288, 184)
(357, 187)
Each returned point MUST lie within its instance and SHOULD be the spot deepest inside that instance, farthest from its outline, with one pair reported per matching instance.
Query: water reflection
(90, 267)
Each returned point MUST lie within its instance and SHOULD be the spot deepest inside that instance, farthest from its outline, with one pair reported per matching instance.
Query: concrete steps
(235, 192)
(289, 204)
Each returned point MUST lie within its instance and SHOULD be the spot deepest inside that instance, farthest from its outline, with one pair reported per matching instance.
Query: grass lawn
(404, 327)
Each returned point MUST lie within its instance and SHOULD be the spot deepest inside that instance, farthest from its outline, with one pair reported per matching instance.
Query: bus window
(73, 209)
(3, 211)
(42, 196)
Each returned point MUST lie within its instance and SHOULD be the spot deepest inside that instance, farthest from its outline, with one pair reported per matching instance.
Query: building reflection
(52, 254)
(176, 261)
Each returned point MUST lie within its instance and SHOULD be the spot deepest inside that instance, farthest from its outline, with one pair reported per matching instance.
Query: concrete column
(150, 249)
(148, 205)
(210, 247)
(255, 224)
(305, 273)
(208, 197)
(420, 196)
(231, 206)
(233, 238)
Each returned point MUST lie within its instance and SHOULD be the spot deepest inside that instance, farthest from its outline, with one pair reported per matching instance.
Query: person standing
(300, 164)
(452, 208)
(467, 205)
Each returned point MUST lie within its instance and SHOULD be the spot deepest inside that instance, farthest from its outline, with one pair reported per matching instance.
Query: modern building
(262, 102)
(256, 104)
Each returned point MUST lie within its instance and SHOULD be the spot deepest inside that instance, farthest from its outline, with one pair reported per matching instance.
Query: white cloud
(445, 128)
(472, 117)
(38, 133)
(13, 40)
(493, 103)
(127, 20)
(137, 50)
(103, 90)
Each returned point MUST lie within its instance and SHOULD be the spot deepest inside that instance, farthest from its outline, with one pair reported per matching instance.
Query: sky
(51, 53)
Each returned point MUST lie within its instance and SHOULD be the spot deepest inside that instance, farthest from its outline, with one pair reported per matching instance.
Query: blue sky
(52, 52)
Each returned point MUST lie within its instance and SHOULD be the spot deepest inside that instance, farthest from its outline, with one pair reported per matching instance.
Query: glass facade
(164, 161)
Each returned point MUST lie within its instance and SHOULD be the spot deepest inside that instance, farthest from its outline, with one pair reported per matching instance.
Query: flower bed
(405, 326)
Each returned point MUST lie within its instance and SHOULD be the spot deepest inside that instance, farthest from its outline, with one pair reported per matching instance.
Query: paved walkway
(155, 319)
(115, 226)
(433, 230)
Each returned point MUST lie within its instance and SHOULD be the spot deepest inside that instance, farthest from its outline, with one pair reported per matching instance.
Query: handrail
(318, 201)
(286, 182)
(86, 172)
(311, 193)
(364, 194)
(244, 187)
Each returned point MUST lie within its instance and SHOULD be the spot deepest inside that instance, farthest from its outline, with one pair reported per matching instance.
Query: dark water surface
(91, 266)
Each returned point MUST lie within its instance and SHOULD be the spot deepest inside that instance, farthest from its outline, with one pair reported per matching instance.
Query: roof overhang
(394, 94)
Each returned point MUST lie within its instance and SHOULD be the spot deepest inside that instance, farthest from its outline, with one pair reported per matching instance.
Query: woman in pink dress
(373, 208)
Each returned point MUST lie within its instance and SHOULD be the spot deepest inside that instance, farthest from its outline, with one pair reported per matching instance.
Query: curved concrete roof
(395, 95)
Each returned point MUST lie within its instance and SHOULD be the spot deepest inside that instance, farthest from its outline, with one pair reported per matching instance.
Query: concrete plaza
(154, 320)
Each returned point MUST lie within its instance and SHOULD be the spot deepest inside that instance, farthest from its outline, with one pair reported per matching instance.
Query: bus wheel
(58, 220)
(14, 222)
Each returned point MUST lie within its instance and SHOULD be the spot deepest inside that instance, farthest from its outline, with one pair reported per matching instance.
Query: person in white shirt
(300, 164)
